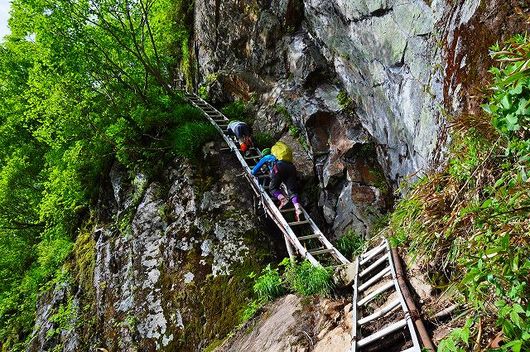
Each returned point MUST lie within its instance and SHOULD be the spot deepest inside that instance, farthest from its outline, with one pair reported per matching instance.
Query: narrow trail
(381, 318)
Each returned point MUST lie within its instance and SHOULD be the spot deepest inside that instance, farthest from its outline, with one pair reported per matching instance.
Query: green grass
(269, 284)
(189, 138)
(350, 244)
(306, 279)
(467, 224)
(238, 110)
(263, 140)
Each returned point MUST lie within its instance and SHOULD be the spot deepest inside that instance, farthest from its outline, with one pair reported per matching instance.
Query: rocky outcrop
(348, 74)
(289, 324)
(166, 270)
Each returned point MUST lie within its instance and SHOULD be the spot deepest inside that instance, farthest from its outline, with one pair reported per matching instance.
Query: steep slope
(163, 267)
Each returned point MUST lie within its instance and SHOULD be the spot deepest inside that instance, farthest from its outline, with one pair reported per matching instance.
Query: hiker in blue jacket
(268, 159)
(280, 172)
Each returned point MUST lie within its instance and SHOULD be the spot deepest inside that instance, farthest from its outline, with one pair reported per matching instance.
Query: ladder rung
(321, 251)
(388, 330)
(287, 209)
(374, 278)
(253, 157)
(308, 237)
(372, 295)
(373, 254)
(267, 176)
(379, 313)
(296, 223)
(369, 252)
(374, 265)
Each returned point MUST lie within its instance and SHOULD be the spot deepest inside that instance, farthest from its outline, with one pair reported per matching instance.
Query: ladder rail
(358, 341)
(404, 306)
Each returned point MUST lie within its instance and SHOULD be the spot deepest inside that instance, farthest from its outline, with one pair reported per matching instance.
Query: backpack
(282, 152)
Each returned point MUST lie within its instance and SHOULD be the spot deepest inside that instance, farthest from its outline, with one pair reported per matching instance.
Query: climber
(242, 132)
(279, 162)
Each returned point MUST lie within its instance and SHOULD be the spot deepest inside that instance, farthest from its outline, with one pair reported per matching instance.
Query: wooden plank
(322, 251)
(308, 237)
(297, 223)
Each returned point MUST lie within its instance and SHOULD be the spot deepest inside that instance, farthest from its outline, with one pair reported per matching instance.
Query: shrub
(306, 279)
(508, 105)
(350, 244)
(186, 113)
(269, 284)
(189, 138)
(263, 140)
(237, 110)
(251, 309)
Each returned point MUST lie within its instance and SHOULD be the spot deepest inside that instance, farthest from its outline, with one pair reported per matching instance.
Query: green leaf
(512, 122)
(486, 203)
(506, 103)
(516, 319)
(518, 89)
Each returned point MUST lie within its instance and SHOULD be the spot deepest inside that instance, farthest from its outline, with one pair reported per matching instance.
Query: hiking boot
(283, 201)
(297, 212)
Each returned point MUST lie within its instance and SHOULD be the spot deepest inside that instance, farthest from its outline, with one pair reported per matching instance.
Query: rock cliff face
(369, 82)
(165, 269)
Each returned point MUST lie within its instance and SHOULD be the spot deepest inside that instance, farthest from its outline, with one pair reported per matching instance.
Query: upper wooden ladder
(304, 235)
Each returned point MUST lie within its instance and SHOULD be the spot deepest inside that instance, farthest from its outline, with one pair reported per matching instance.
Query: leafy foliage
(269, 284)
(509, 104)
(350, 244)
(83, 84)
(263, 140)
(302, 278)
(238, 110)
(307, 279)
(188, 139)
(469, 222)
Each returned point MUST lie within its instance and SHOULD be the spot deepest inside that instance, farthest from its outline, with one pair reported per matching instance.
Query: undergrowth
(238, 110)
(189, 138)
(350, 244)
(469, 223)
(302, 278)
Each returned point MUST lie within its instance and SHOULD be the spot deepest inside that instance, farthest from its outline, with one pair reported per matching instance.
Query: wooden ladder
(304, 236)
(380, 313)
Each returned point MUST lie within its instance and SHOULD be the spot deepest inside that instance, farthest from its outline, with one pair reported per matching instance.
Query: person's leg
(291, 183)
(274, 186)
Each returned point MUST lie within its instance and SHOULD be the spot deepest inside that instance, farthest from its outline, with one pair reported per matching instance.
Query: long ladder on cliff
(381, 318)
(304, 235)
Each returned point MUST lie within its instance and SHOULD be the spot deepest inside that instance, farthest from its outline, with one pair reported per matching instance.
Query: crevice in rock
(381, 12)
(377, 13)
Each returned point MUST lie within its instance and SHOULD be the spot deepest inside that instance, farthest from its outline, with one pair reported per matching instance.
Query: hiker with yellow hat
(280, 164)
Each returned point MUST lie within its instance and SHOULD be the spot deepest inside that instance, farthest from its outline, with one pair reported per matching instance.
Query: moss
(213, 345)
(284, 114)
(345, 102)
(85, 260)
(214, 308)
(379, 179)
